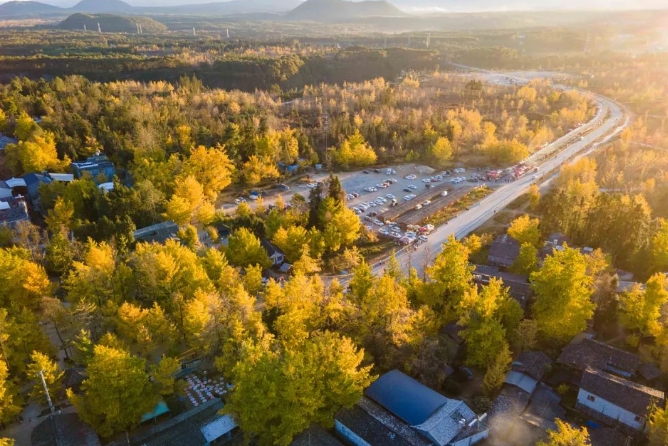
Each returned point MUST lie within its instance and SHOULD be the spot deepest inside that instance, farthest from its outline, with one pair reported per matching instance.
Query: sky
(442, 5)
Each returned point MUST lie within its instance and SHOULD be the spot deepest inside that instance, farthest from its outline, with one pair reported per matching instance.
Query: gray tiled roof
(504, 251)
(534, 364)
(621, 392)
(598, 355)
(70, 431)
(381, 428)
(315, 435)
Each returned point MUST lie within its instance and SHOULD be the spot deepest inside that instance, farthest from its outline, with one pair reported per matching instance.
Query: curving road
(608, 122)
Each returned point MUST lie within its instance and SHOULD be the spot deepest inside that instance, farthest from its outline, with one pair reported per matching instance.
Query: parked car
(390, 196)
(410, 177)
(408, 198)
(423, 238)
(365, 171)
(412, 186)
(408, 190)
(426, 180)
(376, 170)
(384, 231)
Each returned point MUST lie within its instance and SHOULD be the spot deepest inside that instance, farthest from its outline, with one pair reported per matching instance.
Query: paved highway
(608, 122)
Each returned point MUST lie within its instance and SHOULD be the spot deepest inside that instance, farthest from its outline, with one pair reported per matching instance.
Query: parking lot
(396, 193)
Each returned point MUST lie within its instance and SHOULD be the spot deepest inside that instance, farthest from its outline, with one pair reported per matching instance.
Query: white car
(426, 180)
(444, 193)
(390, 197)
(410, 177)
(423, 238)
(412, 186)
(240, 200)
(410, 234)
(378, 222)
(384, 232)
(426, 203)
(408, 198)
(412, 196)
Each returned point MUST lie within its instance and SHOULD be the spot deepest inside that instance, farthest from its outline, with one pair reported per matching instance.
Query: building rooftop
(405, 397)
(521, 380)
(534, 364)
(504, 251)
(621, 392)
(270, 247)
(69, 431)
(599, 356)
(377, 427)
(315, 435)
(160, 232)
(6, 140)
(13, 210)
(518, 285)
(436, 417)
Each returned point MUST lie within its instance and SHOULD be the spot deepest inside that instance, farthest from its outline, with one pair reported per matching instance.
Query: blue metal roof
(405, 397)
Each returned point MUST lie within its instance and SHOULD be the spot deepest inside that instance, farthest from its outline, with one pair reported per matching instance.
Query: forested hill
(27, 9)
(341, 10)
(112, 23)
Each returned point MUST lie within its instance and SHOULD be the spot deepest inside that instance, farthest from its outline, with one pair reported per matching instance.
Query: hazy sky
(441, 5)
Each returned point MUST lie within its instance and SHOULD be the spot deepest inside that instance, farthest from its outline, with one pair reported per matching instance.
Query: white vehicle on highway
(426, 203)
(426, 180)
(444, 193)
(410, 177)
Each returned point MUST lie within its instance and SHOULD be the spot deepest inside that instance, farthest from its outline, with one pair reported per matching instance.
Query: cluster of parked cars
(457, 180)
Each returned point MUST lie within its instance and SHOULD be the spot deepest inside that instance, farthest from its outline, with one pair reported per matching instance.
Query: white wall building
(615, 400)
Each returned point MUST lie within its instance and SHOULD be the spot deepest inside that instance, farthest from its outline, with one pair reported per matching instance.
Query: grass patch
(372, 251)
(448, 213)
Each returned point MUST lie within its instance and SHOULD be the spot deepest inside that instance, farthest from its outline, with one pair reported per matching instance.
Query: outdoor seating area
(201, 390)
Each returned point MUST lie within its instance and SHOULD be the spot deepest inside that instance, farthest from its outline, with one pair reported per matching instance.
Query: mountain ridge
(342, 10)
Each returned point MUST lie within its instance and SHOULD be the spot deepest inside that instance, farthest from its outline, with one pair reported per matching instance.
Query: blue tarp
(159, 409)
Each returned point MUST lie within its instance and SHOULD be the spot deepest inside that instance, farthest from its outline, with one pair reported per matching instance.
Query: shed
(65, 430)
(599, 356)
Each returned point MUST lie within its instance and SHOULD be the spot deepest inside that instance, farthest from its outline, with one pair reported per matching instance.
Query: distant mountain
(341, 10)
(110, 23)
(27, 9)
(102, 6)
(226, 8)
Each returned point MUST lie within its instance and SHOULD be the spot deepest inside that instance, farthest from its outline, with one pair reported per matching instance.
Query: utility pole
(99, 28)
(194, 32)
(46, 392)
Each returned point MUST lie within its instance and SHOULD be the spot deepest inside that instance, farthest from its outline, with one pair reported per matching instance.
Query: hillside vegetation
(112, 23)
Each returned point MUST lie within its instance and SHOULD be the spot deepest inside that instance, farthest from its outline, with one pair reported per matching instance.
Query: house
(555, 242)
(520, 385)
(158, 233)
(6, 140)
(533, 364)
(200, 426)
(503, 252)
(615, 400)
(409, 413)
(96, 166)
(64, 430)
(518, 285)
(276, 255)
(13, 211)
(589, 353)
(33, 181)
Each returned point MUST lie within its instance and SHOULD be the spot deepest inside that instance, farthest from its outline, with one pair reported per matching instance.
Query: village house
(398, 410)
(615, 400)
(503, 252)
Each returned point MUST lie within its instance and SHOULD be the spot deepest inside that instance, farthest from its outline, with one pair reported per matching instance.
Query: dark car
(428, 185)
(365, 171)
(408, 190)
(376, 170)
(463, 374)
